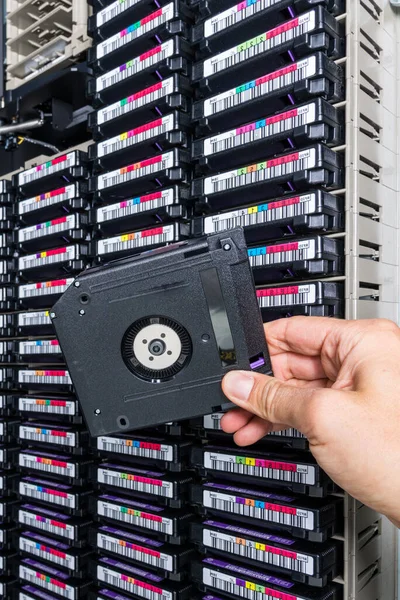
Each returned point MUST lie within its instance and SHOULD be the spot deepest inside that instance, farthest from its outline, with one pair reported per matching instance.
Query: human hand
(338, 382)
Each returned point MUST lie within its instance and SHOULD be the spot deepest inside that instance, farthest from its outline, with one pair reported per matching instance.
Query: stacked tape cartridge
(54, 459)
(143, 514)
(267, 157)
(9, 419)
(140, 184)
(142, 126)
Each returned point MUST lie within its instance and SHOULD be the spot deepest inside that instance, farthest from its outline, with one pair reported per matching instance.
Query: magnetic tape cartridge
(148, 338)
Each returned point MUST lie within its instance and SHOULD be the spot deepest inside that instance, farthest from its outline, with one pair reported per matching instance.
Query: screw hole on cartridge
(123, 422)
(84, 298)
(97, 412)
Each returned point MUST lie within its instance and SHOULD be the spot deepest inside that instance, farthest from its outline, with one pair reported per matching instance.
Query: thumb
(269, 398)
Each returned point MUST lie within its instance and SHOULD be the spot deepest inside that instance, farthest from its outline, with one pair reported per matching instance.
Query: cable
(38, 143)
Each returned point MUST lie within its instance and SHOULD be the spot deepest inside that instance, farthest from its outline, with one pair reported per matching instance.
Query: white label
(261, 214)
(56, 407)
(259, 45)
(49, 228)
(146, 96)
(135, 205)
(120, 243)
(137, 553)
(32, 491)
(282, 253)
(49, 257)
(51, 436)
(29, 319)
(135, 448)
(31, 461)
(131, 517)
(234, 15)
(114, 10)
(46, 288)
(45, 524)
(265, 468)
(136, 136)
(30, 546)
(40, 347)
(264, 171)
(1, 428)
(126, 36)
(56, 586)
(156, 487)
(120, 581)
(259, 130)
(229, 584)
(46, 169)
(136, 171)
(46, 377)
(289, 296)
(303, 519)
(47, 199)
(261, 87)
(136, 65)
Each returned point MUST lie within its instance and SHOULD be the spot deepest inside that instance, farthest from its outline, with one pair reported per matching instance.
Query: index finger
(302, 335)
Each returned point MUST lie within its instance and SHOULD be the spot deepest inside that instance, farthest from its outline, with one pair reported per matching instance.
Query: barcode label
(47, 465)
(46, 288)
(46, 494)
(147, 96)
(238, 586)
(136, 65)
(28, 319)
(46, 377)
(136, 136)
(132, 584)
(48, 583)
(277, 167)
(261, 214)
(138, 239)
(288, 296)
(260, 87)
(135, 205)
(235, 14)
(213, 421)
(49, 228)
(264, 256)
(127, 35)
(136, 448)
(45, 524)
(132, 172)
(48, 168)
(135, 552)
(40, 347)
(138, 483)
(51, 436)
(258, 509)
(137, 518)
(48, 257)
(114, 10)
(260, 44)
(54, 407)
(260, 467)
(46, 552)
(259, 130)
(47, 199)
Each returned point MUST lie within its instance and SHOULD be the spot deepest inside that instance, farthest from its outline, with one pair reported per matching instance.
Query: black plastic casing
(165, 282)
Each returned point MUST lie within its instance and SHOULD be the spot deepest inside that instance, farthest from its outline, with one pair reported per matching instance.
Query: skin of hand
(338, 382)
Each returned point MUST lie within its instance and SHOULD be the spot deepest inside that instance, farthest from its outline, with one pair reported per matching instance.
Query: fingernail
(238, 385)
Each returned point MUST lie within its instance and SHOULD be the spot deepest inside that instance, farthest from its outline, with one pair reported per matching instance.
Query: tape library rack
(207, 115)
